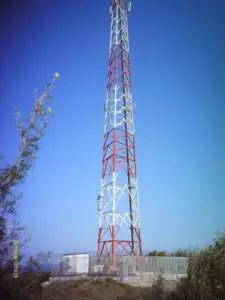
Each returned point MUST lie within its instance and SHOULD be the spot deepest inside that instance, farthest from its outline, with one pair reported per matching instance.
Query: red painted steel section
(118, 151)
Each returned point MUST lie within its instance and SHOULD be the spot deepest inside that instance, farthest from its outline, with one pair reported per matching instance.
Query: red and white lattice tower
(119, 221)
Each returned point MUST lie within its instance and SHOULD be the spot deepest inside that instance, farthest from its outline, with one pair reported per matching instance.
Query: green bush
(157, 253)
(205, 275)
(206, 270)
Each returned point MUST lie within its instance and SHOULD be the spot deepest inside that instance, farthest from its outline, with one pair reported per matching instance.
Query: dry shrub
(84, 292)
(109, 279)
(130, 297)
(97, 281)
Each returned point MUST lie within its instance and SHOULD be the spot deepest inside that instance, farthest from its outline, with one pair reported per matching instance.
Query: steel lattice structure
(119, 221)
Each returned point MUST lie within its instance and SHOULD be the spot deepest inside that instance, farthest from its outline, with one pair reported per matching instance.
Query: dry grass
(95, 290)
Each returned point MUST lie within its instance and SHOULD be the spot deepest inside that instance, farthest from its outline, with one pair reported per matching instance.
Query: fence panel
(128, 265)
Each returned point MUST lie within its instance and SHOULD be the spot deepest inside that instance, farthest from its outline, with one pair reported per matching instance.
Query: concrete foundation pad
(139, 279)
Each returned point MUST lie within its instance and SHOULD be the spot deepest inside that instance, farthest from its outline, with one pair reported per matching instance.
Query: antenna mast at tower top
(118, 206)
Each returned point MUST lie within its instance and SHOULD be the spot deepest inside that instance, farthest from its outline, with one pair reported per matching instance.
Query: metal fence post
(122, 271)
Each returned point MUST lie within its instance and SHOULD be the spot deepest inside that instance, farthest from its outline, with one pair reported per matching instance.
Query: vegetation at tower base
(12, 233)
(177, 253)
(157, 253)
(205, 280)
(206, 270)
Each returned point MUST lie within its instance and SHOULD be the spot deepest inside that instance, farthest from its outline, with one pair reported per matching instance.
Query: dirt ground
(94, 290)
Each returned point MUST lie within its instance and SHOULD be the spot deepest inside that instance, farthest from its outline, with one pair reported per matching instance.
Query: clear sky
(178, 75)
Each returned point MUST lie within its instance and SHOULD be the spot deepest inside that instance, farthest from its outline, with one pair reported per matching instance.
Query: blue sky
(178, 75)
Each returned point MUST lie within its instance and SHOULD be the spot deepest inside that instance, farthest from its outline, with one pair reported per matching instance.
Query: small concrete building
(75, 263)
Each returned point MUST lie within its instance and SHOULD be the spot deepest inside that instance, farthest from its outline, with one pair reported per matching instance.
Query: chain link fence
(125, 266)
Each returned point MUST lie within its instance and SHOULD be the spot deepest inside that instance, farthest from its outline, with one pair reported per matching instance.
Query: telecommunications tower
(119, 222)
